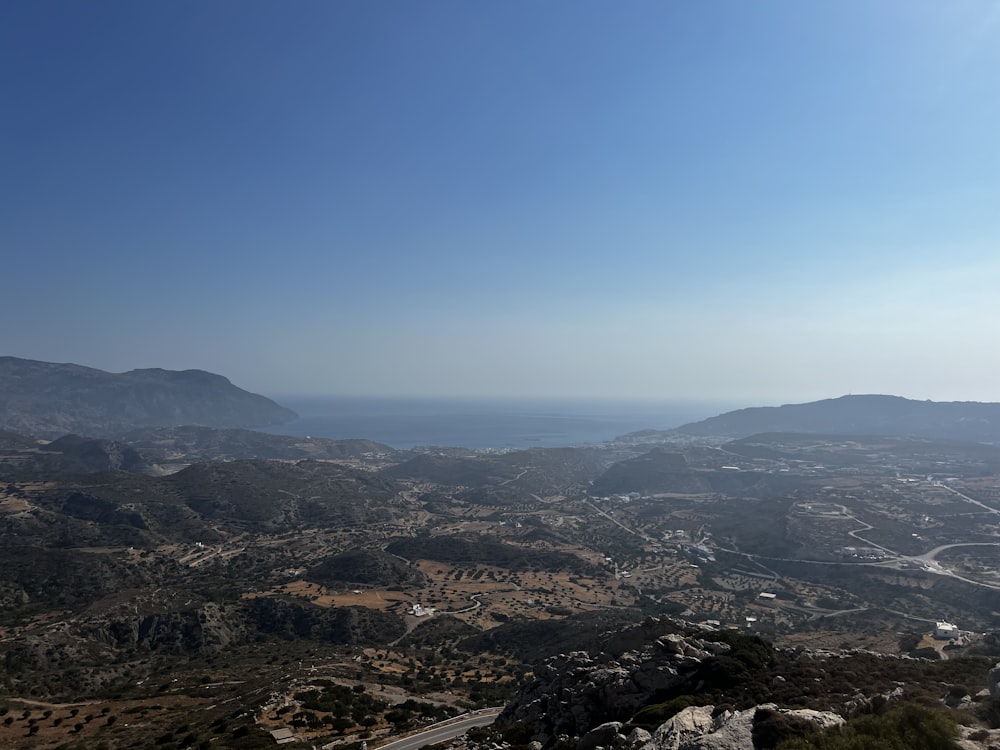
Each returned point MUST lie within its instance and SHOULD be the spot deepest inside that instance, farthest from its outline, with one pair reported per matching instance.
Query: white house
(945, 631)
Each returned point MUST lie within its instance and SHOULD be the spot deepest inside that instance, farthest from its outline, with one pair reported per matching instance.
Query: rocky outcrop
(571, 693)
(290, 619)
(657, 687)
(206, 629)
(102, 648)
(701, 728)
(993, 681)
(686, 726)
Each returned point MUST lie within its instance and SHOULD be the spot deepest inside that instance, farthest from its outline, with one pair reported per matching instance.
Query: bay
(484, 423)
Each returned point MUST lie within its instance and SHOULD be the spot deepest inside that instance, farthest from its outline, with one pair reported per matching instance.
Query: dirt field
(483, 596)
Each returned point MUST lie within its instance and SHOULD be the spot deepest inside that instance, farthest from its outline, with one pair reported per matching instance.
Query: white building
(945, 631)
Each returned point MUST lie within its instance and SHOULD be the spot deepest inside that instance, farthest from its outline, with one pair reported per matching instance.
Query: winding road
(441, 733)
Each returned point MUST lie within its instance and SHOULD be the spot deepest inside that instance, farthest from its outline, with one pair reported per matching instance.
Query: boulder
(688, 724)
(604, 735)
(993, 680)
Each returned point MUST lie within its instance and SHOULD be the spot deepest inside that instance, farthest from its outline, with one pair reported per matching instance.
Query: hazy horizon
(757, 203)
(361, 403)
(582, 401)
(407, 422)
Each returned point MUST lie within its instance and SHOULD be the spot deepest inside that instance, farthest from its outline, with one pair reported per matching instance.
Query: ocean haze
(485, 423)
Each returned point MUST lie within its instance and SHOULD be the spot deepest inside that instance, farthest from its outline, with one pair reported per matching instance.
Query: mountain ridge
(864, 414)
(48, 400)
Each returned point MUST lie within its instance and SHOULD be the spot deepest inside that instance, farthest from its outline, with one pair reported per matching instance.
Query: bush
(905, 727)
(989, 711)
(771, 728)
(722, 673)
(658, 713)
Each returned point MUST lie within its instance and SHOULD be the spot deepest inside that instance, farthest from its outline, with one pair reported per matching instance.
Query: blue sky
(761, 202)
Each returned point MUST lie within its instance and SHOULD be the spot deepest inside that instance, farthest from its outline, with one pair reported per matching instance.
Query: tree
(342, 724)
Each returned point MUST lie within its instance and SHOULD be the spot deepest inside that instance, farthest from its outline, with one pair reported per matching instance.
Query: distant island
(47, 400)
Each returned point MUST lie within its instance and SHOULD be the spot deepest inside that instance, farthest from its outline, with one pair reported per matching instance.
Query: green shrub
(989, 711)
(771, 728)
(657, 713)
(904, 727)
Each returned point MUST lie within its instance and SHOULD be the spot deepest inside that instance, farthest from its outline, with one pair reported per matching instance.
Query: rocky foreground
(657, 687)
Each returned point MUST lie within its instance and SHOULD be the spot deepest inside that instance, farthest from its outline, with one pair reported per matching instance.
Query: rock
(637, 738)
(687, 724)
(993, 680)
(605, 735)
(957, 701)
(672, 643)
(571, 693)
(695, 728)
(733, 731)
(585, 697)
(973, 738)
(822, 719)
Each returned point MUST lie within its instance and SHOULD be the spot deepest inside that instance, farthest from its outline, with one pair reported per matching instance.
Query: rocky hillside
(48, 400)
(204, 502)
(69, 454)
(657, 686)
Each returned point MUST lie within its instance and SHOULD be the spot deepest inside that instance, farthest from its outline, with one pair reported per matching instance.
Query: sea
(485, 423)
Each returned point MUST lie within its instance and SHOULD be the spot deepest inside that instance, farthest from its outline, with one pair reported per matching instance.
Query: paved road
(447, 732)
(930, 556)
(868, 527)
(971, 500)
(618, 523)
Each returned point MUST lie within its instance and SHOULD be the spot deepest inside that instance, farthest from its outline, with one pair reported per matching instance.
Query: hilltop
(47, 400)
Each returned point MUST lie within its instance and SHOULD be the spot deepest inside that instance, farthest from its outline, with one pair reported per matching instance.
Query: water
(485, 423)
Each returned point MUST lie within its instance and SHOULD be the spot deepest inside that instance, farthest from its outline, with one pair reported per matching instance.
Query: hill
(503, 478)
(861, 415)
(191, 444)
(47, 400)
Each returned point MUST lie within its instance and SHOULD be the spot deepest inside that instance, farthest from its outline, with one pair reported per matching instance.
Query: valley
(346, 600)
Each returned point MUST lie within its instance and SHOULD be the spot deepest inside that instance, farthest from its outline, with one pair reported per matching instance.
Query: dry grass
(500, 593)
(87, 722)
